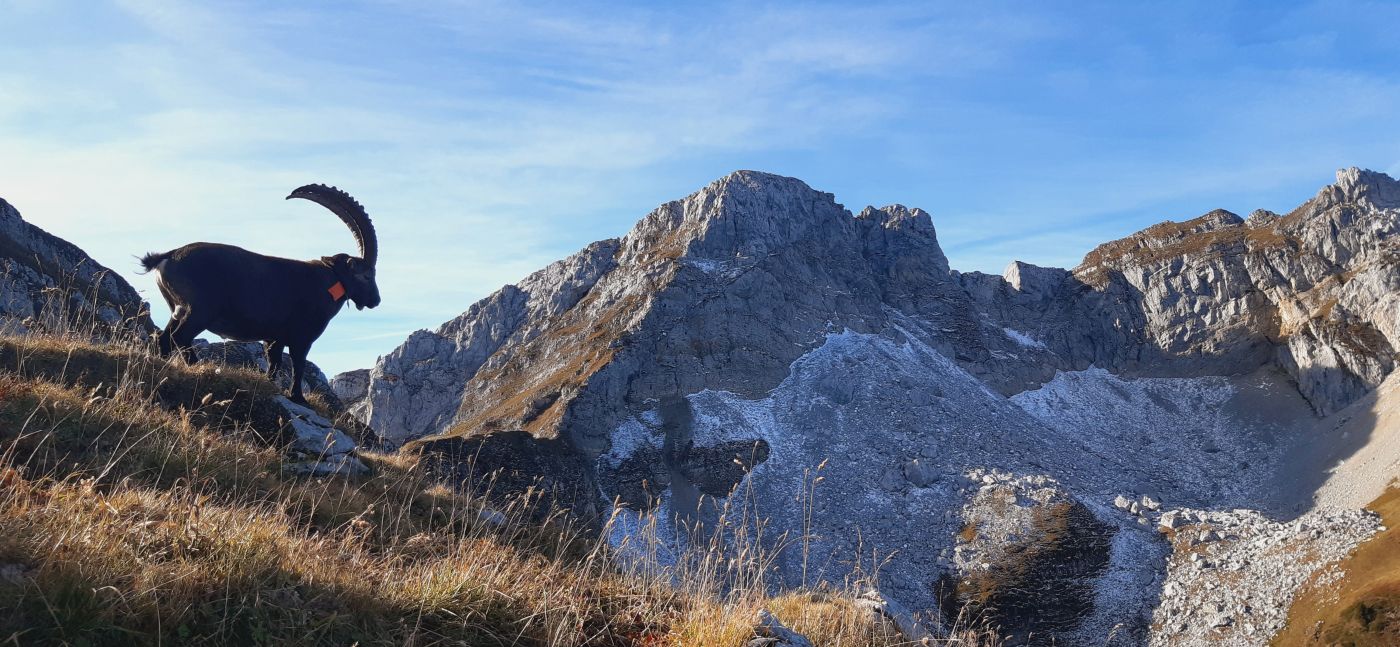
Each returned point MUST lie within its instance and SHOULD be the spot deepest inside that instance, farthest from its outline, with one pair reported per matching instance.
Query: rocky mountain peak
(1366, 186)
(1038, 282)
(898, 216)
(749, 214)
(1216, 219)
(897, 235)
(1260, 218)
(743, 243)
(1162, 240)
(743, 215)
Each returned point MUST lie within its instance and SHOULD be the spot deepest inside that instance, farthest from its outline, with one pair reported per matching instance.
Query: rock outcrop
(1027, 558)
(757, 334)
(317, 447)
(47, 283)
(1313, 292)
(351, 386)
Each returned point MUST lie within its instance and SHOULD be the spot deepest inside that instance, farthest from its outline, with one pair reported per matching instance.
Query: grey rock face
(759, 313)
(48, 283)
(351, 386)
(417, 389)
(1312, 292)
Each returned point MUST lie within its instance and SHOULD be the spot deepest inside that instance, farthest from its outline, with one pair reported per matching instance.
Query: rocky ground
(1232, 575)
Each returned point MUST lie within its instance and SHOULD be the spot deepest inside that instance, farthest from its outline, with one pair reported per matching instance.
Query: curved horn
(341, 204)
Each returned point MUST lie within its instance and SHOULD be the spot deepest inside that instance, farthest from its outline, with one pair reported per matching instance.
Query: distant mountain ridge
(1212, 295)
(757, 323)
(1316, 291)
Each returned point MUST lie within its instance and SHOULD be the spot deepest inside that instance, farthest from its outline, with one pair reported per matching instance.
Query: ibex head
(355, 273)
(358, 278)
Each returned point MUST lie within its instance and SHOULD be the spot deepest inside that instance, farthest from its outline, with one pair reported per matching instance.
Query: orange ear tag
(337, 291)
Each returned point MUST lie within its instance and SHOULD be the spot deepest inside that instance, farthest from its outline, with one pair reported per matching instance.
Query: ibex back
(245, 296)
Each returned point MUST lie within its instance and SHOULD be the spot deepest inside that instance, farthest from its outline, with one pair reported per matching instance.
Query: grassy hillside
(144, 502)
(1363, 608)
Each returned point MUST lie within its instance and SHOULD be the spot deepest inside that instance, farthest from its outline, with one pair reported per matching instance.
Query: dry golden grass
(143, 502)
(1363, 609)
(1167, 240)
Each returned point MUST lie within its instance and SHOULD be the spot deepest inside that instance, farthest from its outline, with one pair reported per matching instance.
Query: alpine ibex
(245, 296)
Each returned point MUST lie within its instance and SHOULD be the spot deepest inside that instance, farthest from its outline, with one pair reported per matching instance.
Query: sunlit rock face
(1313, 292)
(757, 330)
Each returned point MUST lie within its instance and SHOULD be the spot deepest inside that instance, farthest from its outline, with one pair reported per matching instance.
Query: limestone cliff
(1313, 291)
(757, 329)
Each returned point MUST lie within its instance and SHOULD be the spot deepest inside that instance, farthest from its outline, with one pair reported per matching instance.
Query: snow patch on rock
(1022, 338)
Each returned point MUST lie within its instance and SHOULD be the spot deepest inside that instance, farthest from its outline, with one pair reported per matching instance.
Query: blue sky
(488, 139)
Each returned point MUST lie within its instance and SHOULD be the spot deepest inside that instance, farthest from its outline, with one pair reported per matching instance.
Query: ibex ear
(338, 263)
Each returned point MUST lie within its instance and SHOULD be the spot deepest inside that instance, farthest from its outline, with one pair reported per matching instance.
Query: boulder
(881, 607)
(1028, 569)
(770, 632)
(351, 386)
(317, 447)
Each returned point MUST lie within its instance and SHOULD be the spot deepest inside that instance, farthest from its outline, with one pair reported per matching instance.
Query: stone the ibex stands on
(281, 302)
